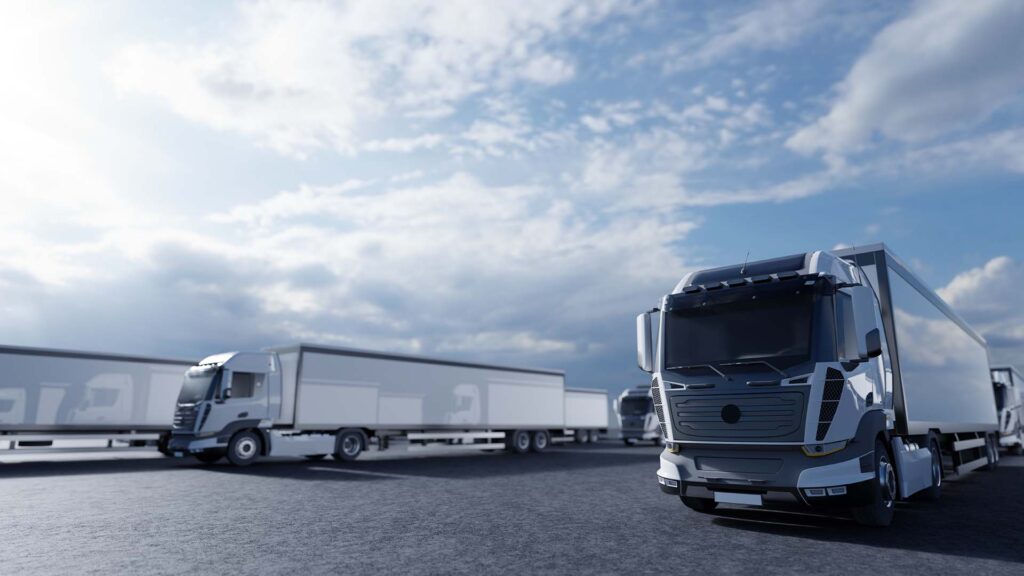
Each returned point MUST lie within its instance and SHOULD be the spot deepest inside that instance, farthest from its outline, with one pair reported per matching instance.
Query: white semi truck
(831, 380)
(1006, 381)
(56, 398)
(312, 401)
(637, 421)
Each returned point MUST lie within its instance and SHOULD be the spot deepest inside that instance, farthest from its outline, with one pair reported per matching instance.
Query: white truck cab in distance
(1008, 384)
(637, 421)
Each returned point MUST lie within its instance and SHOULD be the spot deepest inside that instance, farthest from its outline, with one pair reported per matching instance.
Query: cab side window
(846, 330)
(242, 384)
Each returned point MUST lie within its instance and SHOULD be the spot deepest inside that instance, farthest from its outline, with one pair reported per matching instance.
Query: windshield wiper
(692, 366)
(749, 362)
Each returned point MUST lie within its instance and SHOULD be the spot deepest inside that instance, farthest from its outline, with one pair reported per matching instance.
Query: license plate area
(738, 498)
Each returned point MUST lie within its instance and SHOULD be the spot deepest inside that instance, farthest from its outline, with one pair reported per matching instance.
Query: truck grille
(656, 395)
(834, 384)
(185, 418)
(776, 416)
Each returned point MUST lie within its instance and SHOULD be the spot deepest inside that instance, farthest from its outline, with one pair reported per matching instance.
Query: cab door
(240, 396)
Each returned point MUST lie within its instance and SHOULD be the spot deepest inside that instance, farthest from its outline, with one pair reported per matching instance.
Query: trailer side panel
(586, 409)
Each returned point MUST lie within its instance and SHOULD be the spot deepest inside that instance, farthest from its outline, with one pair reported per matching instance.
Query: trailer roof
(344, 351)
(588, 390)
(59, 353)
(907, 274)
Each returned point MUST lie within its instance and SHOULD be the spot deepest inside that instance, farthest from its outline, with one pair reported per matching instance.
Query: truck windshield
(635, 406)
(198, 383)
(751, 325)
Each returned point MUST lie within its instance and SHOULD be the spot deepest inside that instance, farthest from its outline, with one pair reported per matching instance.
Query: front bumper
(779, 475)
(640, 434)
(189, 444)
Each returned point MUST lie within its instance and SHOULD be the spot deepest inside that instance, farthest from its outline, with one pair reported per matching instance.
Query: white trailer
(823, 379)
(586, 414)
(57, 398)
(1008, 383)
(308, 400)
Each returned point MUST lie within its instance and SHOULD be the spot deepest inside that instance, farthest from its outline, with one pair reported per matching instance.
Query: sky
(507, 182)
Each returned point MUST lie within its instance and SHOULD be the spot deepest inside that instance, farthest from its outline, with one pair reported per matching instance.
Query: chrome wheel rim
(523, 441)
(886, 481)
(542, 441)
(350, 445)
(245, 448)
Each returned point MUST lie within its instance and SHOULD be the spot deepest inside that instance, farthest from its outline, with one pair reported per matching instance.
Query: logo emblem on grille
(731, 413)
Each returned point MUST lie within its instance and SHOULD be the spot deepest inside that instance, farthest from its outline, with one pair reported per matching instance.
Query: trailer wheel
(517, 442)
(702, 505)
(628, 441)
(933, 492)
(881, 510)
(209, 457)
(244, 448)
(540, 440)
(582, 437)
(349, 445)
(594, 436)
(1017, 449)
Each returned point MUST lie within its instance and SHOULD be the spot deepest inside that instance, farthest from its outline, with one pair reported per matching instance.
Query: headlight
(815, 450)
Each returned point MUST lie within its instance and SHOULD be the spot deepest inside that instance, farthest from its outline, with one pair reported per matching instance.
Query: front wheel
(883, 486)
(244, 448)
(702, 505)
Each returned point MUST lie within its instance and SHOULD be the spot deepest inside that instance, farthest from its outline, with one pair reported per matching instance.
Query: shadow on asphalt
(977, 517)
(442, 466)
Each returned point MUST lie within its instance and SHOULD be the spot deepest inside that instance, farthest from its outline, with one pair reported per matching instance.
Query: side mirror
(873, 343)
(644, 348)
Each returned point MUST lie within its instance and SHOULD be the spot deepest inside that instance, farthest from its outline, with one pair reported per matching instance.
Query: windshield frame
(821, 331)
(211, 375)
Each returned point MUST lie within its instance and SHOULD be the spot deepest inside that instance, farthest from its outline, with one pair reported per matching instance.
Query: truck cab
(637, 421)
(1006, 386)
(224, 395)
(773, 383)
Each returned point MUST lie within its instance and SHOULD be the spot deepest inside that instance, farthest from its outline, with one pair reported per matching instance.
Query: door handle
(243, 414)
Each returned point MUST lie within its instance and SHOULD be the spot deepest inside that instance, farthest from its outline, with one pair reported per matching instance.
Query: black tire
(244, 448)
(1016, 450)
(518, 441)
(315, 457)
(208, 457)
(582, 437)
(540, 441)
(702, 505)
(934, 492)
(349, 445)
(627, 441)
(595, 436)
(883, 506)
(162, 445)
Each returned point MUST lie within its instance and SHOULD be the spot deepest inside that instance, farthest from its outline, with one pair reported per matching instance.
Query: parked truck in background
(637, 421)
(312, 401)
(59, 398)
(829, 379)
(1007, 384)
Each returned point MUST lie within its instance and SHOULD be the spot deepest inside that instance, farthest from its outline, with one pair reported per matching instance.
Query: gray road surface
(573, 510)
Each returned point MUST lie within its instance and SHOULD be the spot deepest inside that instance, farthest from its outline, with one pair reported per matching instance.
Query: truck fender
(228, 431)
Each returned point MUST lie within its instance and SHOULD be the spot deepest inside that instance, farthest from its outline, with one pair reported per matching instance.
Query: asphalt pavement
(592, 509)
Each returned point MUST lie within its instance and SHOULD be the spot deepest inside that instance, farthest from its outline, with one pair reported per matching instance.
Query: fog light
(815, 450)
(814, 492)
(673, 448)
(837, 491)
(668, 482)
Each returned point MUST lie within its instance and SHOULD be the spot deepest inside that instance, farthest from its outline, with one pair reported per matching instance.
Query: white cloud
(990, 298)
(946, 66)
(423, 141)
(301, 76)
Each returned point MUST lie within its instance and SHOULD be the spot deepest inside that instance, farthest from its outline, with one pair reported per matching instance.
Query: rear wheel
(880, 511)
(244, 448)
(349, 445)
(1017, 449)
(702, 505)
(582, 437)
(518, 442)
(628, 441)
(540, 440)
(209, 457)
(594, 436)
